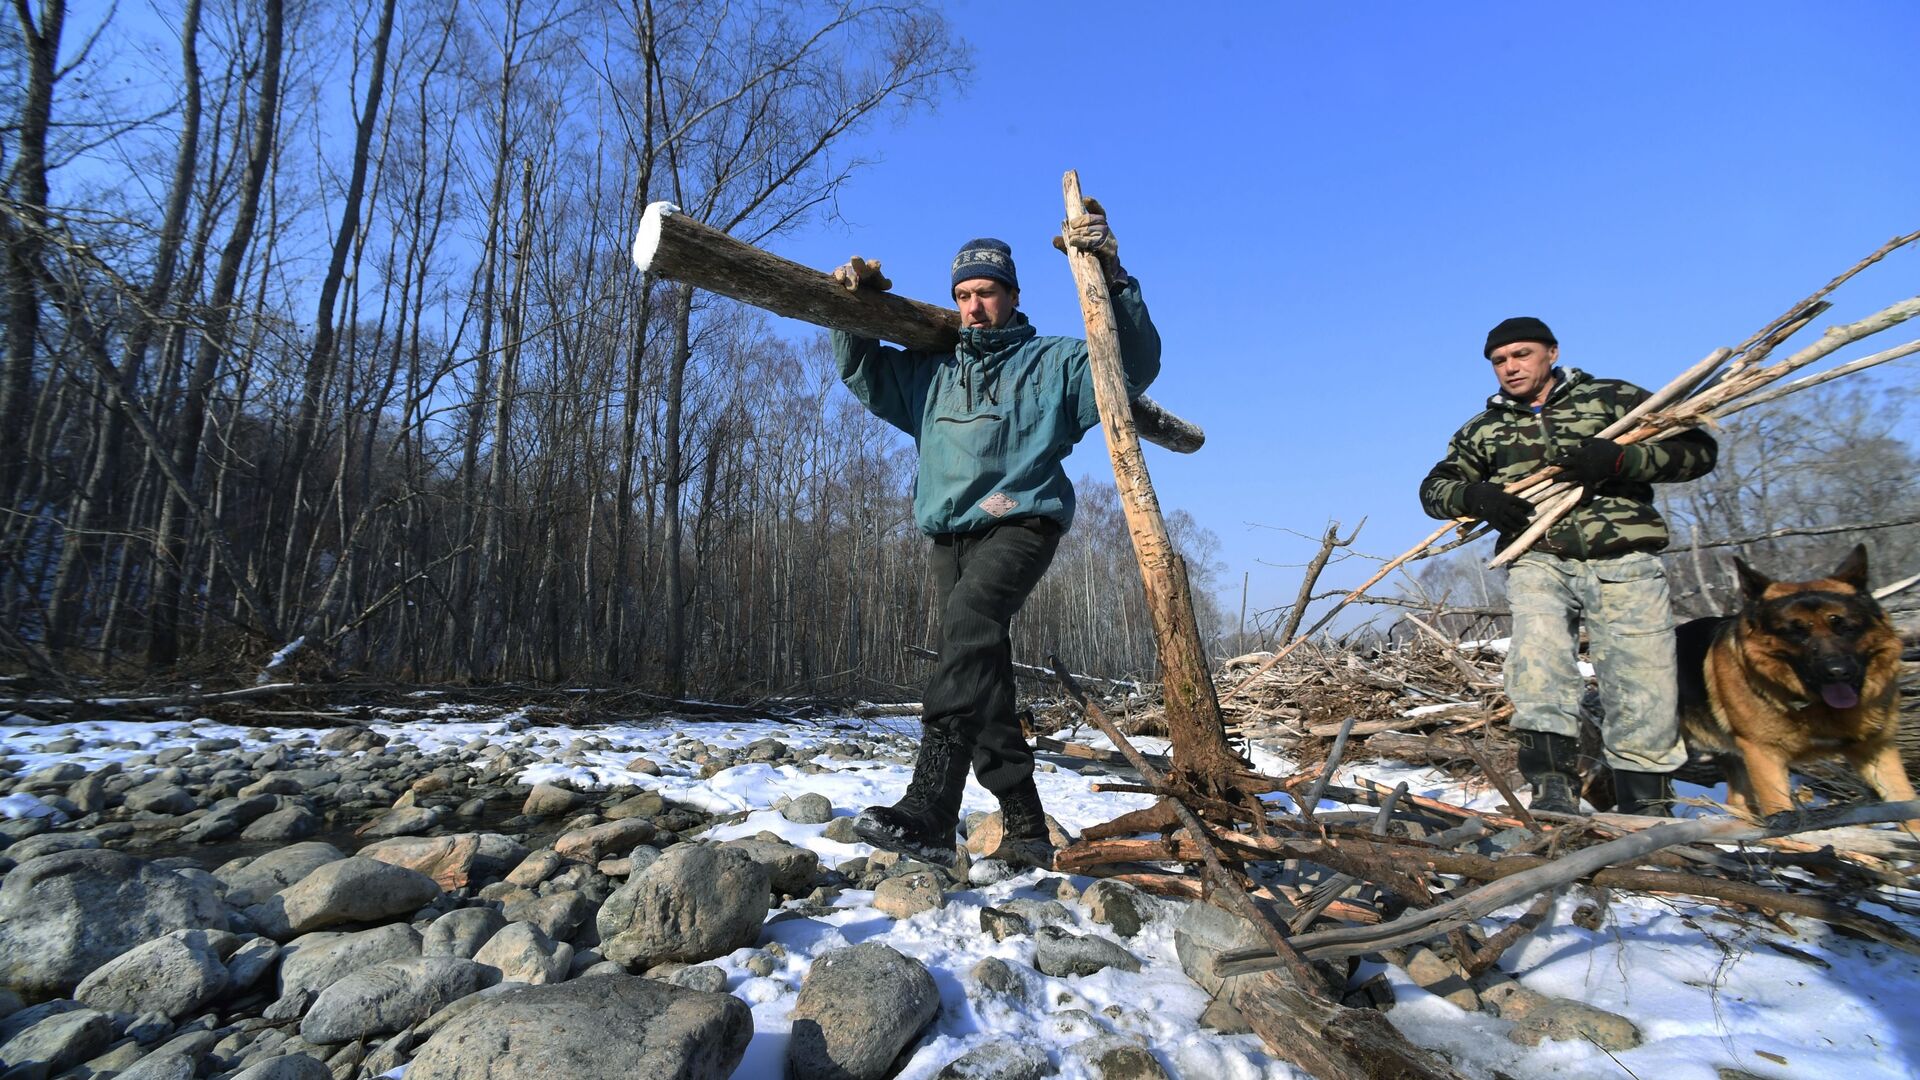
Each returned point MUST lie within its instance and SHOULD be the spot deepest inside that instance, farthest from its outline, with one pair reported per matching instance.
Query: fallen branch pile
(1320, 887)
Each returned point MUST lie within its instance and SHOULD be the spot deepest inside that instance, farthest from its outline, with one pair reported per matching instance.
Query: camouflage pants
(1629, 621)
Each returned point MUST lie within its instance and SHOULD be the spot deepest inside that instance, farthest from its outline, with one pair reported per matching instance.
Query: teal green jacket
(994, 418)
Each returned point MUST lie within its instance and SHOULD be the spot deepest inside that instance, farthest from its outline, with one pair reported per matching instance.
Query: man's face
(1525, 370)
(984, 303)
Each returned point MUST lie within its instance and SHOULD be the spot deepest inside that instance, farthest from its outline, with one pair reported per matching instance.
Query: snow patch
(646, 242)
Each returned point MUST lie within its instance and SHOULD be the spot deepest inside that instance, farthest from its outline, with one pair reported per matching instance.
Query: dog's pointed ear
(1753, 583)
(1853, 569)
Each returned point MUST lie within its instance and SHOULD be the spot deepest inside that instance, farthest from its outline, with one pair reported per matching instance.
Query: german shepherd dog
(1806, 670)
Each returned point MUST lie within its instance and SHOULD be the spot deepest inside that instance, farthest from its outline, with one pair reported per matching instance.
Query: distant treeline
(317, 329)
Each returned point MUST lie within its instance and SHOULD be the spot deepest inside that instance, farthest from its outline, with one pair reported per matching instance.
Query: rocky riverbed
(455, 890)
(491, 898)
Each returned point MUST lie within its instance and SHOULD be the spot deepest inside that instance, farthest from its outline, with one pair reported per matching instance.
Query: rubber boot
(1550, 762)
(922, 823)
(1649, 794)
(1024, 843)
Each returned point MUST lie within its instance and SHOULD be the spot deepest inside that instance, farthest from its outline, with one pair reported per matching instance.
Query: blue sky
(1328, 205)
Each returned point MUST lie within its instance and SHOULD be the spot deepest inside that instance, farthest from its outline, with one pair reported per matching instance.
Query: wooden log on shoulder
(674, 245)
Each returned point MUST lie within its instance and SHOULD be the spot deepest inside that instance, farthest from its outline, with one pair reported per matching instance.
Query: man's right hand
(1498, 507)
(860, 274)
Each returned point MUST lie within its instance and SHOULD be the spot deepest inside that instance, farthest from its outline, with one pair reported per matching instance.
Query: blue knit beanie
(985, 258)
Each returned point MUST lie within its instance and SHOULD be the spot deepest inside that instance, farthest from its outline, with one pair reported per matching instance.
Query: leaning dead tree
(1298, 1014)
(1202, 757)
(675, 246)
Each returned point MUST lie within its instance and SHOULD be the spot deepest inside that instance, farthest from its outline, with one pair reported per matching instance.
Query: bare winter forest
(319, 330)
(369, 370)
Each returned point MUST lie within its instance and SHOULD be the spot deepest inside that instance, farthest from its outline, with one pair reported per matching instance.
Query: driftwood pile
(1425, 701)
(1408, 876)
(1320, 889)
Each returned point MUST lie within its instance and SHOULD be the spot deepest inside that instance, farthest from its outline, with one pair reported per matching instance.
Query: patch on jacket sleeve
(999, 504)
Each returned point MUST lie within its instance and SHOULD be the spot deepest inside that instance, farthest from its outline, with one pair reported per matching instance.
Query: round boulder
(313, 963)
(461, 932)
(521, 953)
(352, 890)
(389, 996)
(65, 914)
(692, 904)
(549, 800)
(250, 881)
(609, 1027)
(811, 808)
(858, 1008)
(288, 1067)
(174, 975)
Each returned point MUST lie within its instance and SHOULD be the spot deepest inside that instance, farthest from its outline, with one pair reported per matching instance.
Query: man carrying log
(993, 419)
(1598, 563)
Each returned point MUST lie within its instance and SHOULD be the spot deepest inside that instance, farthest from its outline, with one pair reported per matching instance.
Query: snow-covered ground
(1710, 994)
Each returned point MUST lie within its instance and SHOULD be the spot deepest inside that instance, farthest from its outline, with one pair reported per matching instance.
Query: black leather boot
(1550, 762)
(922, 823)
(1024, 843)
(1649, 794)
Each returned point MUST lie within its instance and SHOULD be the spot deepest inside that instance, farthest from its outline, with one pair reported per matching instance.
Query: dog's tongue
(1839, 696)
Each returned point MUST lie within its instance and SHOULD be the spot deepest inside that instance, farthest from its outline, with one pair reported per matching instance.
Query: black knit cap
(985, 258)
(1518, 328)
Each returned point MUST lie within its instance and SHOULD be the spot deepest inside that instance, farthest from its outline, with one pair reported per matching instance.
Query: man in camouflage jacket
(1598, 563)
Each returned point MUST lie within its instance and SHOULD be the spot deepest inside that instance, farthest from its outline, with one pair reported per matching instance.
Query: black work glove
(1498, 507)
(1592, 462)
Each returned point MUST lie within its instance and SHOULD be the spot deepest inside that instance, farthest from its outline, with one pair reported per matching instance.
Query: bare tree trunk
(163, 644)
(511, 324)
(26, 185)
(321, 360)
(676, 658)
(1200, 748)
(90, 511)
(619, 661)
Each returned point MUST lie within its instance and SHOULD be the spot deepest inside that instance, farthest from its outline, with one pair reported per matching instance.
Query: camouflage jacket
(1509, 440)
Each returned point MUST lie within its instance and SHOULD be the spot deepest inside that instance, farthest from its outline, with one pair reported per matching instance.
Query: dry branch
(1318, 563)
(1202, 757)
(1808, 530)
(1422, 924)
(1030, 671)
(96, 706)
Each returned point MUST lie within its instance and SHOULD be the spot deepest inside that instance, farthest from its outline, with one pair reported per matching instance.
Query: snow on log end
(647, 240)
